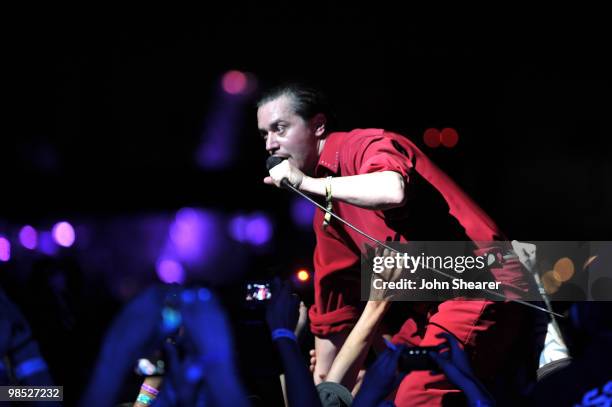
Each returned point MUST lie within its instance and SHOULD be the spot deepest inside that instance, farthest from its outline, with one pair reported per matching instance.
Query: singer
(383, 184)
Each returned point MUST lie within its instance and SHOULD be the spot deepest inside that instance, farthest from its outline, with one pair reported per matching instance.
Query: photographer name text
(456, 284)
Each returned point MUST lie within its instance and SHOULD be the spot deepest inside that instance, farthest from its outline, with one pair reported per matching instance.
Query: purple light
(216, 152)
(5, 249)
(28, 237)
(63, 234)
(46, 244)
(193, 235)
(234, 82)
(258, 230)
(302, 213)
(221, 127)
(219, 136)
(170, 271)
(237, 228)
(255, 229)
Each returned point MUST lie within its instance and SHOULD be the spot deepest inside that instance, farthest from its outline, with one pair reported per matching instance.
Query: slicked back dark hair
(307, 102)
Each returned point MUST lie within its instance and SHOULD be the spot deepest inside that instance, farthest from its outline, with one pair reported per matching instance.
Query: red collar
(329, 158)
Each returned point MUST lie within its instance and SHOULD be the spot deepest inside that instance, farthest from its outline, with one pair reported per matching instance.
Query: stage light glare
(28, 237)
(234, 82)
(550, 283)
(303, 275)
(563, 269)
(259, 230)
(170, 271)
(5, 249)
(449, 137)
(63, 234)
(431, 138)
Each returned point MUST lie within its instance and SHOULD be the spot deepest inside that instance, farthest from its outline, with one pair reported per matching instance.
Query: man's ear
(319, 124)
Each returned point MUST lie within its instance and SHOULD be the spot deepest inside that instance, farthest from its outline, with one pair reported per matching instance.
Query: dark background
(106, 109)
(108, 106)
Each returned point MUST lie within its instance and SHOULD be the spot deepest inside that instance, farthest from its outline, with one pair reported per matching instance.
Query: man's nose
(271, 143)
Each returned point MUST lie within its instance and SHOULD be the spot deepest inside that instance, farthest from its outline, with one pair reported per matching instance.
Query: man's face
(288, 135)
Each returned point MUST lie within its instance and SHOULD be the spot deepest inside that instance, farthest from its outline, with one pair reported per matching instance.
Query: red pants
(486, 329)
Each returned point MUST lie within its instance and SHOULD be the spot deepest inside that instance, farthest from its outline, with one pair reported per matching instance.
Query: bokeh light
(5, 249)
(193, 238)
(28, 237)
(563, 269)
(237, 228)
(46, 244)
(234, 82)
(449, 137)
(550, 283)
(254, 229)
(170, 271)
(63, 234)
(302, 213)
(431, 138)
(258, 230)
(303, 275)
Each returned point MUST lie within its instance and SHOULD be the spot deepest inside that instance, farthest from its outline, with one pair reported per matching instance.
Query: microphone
(272, 162)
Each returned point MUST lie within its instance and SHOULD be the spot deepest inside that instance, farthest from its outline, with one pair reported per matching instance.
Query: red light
(303, 275)
(449, 137)
(431, 137)
(234, 82)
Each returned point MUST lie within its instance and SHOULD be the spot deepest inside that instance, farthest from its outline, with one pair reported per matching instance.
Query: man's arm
(377, 190)
(352, 354)
(282, 316)
(354, 351)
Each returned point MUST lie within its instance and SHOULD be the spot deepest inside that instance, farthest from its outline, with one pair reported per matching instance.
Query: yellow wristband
(328, 200)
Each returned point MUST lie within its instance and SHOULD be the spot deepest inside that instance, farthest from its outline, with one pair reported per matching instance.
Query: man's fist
(282, 171)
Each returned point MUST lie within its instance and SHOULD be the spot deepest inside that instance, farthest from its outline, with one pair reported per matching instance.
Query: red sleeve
(382, 152)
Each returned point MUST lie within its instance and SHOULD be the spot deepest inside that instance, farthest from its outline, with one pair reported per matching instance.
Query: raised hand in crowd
(381, 379)
(282, 316)
(136, 331)
(16, 341)
(208, 361)
(454, 362)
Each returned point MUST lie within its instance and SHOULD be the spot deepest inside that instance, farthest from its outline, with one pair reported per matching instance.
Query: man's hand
(390, 274)
(136, 330)
(380, 379)
(454, 362)
(282, 171)
(283, 309)
(206, 324)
